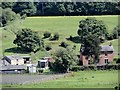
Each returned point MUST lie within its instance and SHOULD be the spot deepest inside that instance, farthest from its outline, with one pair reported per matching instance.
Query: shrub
(47, 34)
(109, 37)
(75, 68)
(56, 36)
(117, 60)
(115, 34)
(63, 44)
(70, 38)
(48, 47)
(40, 71)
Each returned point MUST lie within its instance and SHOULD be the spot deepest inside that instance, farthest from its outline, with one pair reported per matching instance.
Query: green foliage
(28, 40)
(63, 61)
(90, 32)
(8, 5)
(117, 60)
(110, 36)
(27, 8)
(48, 47)
(91, 26)
(63, 44)
(75, 68)
(64, 8)
(47, 34)
(56, 36)
(117, 30)
(8, 16)
(91, 46)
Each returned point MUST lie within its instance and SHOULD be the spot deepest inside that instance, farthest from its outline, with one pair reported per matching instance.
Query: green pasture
(81, 79)
(64, 25)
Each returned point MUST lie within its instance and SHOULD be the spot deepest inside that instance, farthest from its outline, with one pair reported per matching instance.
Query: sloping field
(64, 25)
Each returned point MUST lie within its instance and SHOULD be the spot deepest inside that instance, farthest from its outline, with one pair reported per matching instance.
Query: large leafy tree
(28, 40)
(91, 46)
(90, 32)
(92, 26)
(64, 59)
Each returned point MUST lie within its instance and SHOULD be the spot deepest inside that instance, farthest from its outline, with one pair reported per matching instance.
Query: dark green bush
(40, 71)
(100, 67)
(48, 47)
(117, 60)
(70, 38)
(63, 44)
(56, 36)
(75, 68)
(47, 34)
(109, 37)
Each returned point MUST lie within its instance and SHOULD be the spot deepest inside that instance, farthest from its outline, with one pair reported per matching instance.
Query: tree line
(63, 8)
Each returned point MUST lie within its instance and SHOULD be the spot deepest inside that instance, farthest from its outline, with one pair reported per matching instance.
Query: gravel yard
(23, 79)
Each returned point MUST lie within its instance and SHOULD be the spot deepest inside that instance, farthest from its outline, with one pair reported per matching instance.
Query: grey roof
(103, 48)
(12, 57)
(13, 67)
(107, 48)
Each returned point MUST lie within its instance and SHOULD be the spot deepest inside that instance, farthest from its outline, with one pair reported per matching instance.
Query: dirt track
(23, 79)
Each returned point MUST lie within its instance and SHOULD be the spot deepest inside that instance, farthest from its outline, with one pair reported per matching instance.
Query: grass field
(81, 79)
(64, 25)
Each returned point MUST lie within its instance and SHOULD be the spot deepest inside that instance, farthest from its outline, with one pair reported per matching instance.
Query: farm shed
(43, 64)
(13, 69)
(31, 68)
(14, 60)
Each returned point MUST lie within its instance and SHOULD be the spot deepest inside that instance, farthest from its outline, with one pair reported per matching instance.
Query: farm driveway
(23, 79)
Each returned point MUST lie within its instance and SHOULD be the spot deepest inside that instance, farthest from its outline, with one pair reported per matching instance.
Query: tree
(28, 40)
(92, 26)
(8, 16)
(91, 46)
(90, 31)
(27, 8)
(8, 5)
(64, 60)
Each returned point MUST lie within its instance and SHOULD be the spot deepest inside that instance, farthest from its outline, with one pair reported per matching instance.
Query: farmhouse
(106, 55)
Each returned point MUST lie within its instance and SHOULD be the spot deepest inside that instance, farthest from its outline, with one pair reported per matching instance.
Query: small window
(106, 61)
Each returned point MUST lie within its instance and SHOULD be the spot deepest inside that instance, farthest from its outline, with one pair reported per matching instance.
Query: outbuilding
(43, 64)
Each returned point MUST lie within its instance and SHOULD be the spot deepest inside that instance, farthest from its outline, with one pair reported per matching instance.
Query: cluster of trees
(63, 8)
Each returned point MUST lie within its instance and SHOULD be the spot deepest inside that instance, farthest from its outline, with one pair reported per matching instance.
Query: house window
(106, 61)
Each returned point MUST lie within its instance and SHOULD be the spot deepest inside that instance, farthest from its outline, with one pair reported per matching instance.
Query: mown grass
(81, 79)
(64, 25)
